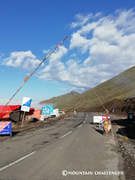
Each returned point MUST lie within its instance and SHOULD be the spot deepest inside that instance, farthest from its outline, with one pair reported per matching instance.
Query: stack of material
(36, 114)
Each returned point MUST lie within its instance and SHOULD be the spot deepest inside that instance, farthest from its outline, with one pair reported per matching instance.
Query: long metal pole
(28, 77)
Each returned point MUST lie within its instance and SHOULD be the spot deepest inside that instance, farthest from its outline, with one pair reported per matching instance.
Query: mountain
(118, 88)
(59, 99)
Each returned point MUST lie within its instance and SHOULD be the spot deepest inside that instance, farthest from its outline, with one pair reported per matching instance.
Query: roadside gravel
(124, 135)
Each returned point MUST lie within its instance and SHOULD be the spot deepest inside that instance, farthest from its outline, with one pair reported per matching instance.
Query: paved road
(77, 151)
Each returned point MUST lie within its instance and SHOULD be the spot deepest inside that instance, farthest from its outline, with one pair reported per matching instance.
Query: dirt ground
(30, 125)
(117, 106)
(124, 133)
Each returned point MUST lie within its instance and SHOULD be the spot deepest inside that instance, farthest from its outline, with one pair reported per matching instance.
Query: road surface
(73, 149)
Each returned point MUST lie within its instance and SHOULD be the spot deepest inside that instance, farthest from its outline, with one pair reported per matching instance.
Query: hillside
(59, 99)
(120, 87)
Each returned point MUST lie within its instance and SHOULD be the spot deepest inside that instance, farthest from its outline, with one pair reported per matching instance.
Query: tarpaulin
(8, 109)
(36, 114)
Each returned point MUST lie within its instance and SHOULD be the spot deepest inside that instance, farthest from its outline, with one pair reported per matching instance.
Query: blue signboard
(47, 110)
(5, 128)
(26, 103)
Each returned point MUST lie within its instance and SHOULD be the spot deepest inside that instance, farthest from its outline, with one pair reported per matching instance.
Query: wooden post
(23, 119)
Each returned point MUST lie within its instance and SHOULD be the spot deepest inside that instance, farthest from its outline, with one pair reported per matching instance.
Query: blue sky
(100, 44)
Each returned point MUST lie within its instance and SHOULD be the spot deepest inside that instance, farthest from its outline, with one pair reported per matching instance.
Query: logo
(47, 110)
(64, 173)
(28, 103)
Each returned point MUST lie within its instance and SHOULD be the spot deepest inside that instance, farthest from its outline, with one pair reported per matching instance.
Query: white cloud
(110, 43)
(82, 19)
(126, 21)
(23, 59)
(100, 47)
(46, 51)
(56, 69)
(80, 42)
